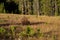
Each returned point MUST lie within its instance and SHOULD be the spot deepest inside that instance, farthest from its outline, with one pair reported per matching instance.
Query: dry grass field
(49, 25)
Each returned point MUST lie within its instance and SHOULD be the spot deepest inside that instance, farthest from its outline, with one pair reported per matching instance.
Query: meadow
(40, 27)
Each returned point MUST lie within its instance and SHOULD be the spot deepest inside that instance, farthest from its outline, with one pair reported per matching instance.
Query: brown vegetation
(25, 21)
(49, 26)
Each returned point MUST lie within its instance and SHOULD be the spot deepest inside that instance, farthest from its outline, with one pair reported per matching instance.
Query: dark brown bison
(10, 6)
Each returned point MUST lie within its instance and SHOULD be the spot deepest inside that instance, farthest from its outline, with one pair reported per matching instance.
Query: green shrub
(54, 37)
(29, 31)
(38, 30)
(12, 30)
(2, 30)
(38, 33)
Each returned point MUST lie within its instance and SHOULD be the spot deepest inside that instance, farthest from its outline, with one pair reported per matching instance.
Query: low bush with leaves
(2, 32)
(25, 21)
(25, 34)
(12, 30)
(28, 32)
(38, 33)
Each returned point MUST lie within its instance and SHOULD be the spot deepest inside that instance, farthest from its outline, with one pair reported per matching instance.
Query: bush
(2, 30)
(12, 30)
(38, 34)
(28, 32)
(25, 21)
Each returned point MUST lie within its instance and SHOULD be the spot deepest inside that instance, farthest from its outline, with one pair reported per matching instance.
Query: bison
(11, 6)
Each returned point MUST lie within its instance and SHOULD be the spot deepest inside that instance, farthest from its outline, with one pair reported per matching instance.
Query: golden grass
(47, 23)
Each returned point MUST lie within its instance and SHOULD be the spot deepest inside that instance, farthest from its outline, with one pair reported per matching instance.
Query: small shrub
(54, 37)
(29, 31)
(2, 30)
(38, 30)
(12, 29)
(25, 21)
(38, 33)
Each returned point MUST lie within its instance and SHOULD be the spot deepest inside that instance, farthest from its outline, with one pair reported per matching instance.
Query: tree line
(9, 6)
(38, 7)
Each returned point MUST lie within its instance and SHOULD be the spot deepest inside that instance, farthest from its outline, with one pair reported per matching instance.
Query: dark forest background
(33, 7)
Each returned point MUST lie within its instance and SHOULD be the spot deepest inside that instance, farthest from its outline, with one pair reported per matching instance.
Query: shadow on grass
(36, 23)
(4, 24)
(32, 23)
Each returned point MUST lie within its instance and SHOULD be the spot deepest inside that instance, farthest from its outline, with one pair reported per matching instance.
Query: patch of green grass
(2, 31)
(54, 37)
